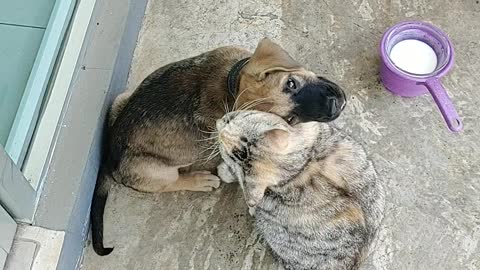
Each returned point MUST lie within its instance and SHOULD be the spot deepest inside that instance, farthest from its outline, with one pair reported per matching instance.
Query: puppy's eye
(291, 85)
(243, 139)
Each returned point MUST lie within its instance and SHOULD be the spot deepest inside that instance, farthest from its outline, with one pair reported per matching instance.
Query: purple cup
(406, 84)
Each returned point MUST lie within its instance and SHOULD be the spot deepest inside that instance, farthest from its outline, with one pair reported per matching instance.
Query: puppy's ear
(268, 58)
(278, 139)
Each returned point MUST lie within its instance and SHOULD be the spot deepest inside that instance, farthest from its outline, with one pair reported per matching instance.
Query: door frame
(17, 200)
(17, 196)
(8, 226)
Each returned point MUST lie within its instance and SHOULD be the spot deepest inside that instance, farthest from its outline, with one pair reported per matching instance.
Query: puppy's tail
(99, 200)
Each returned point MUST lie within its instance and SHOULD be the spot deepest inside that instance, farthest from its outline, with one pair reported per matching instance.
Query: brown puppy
(158, 135)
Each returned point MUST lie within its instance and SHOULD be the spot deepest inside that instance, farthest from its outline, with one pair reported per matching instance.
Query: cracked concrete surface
(433, 176)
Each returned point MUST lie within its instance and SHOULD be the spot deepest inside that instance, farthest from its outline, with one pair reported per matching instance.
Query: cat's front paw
(251, 211)
(226, 174)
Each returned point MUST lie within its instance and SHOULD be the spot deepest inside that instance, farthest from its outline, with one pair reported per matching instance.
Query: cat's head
(258, 146)
(273, 81)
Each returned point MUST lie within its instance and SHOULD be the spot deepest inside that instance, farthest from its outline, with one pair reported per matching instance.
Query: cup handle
(444, 103)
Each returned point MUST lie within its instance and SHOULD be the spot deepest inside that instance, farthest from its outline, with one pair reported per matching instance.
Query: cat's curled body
(317, 198)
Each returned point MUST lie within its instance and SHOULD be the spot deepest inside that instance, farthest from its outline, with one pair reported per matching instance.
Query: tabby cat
(318, 201)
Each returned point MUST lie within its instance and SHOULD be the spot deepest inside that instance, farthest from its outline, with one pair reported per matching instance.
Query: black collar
(232, 79)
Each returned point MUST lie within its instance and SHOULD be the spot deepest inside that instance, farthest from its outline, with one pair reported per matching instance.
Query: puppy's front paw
(226, 174)
(202, 181)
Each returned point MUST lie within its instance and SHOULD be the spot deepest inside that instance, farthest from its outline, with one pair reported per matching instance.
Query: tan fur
(330, 169)
(344, 152)
(352, 214)
(270, 59)
(270, 175)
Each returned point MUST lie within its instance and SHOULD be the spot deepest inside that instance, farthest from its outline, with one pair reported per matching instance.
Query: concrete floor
(433, 176)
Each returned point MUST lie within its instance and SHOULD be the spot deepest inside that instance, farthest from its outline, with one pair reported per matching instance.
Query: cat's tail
(100, 195)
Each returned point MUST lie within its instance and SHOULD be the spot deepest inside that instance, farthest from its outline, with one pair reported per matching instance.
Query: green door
(31, 32)
(19, 46)
(22, 25)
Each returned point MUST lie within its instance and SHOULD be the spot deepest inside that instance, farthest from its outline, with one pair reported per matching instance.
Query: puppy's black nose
(321, 101)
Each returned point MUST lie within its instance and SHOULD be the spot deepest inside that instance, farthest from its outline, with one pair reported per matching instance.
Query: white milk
(414, 56)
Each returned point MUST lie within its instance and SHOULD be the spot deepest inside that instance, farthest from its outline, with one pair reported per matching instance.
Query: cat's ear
(277, 139)
(268, 58)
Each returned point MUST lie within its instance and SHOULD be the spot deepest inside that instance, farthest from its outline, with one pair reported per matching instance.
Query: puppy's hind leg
(150, 175)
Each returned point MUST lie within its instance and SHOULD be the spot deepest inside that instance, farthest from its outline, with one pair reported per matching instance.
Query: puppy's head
(273, 81)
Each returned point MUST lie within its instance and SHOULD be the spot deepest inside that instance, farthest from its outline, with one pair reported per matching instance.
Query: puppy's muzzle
(321, 101)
